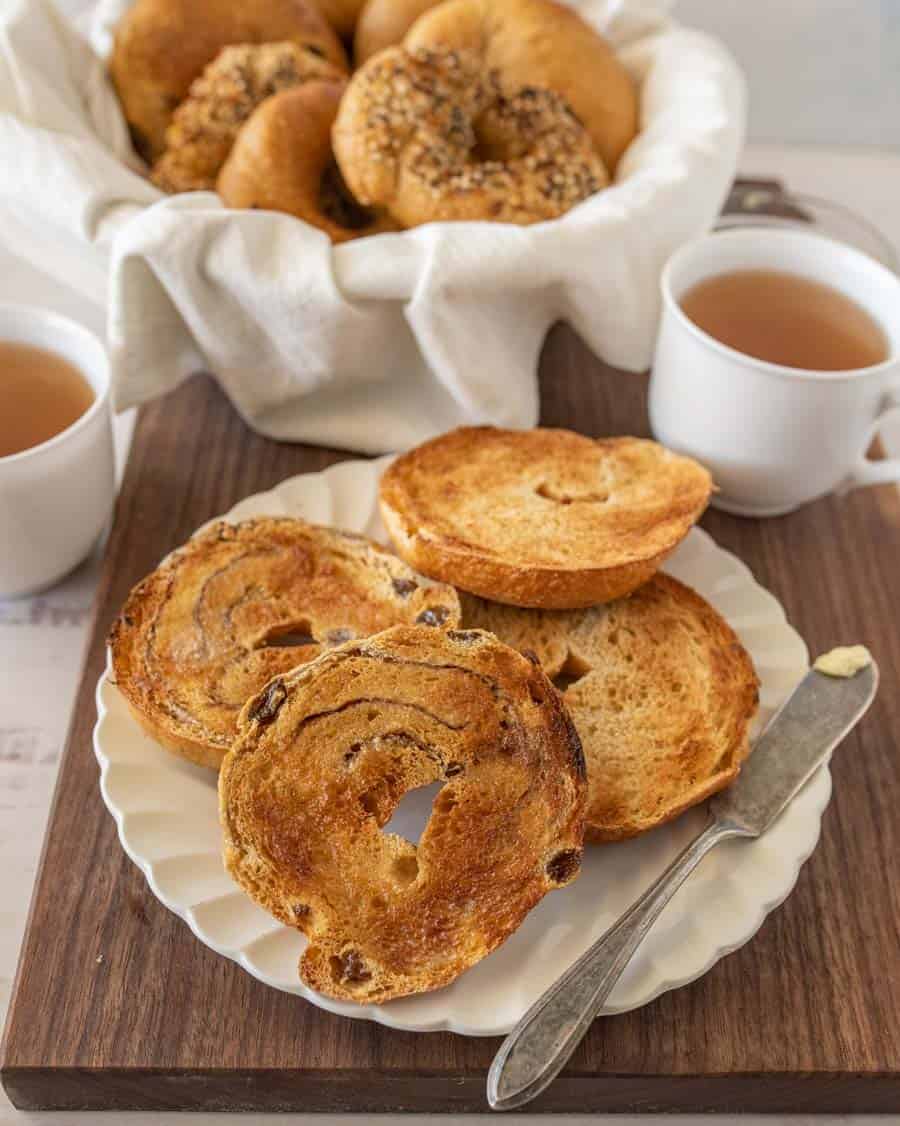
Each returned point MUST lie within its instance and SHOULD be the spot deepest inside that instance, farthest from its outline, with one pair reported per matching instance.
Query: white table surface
(42, 638)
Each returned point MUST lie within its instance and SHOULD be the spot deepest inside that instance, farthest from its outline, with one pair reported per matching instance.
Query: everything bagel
(161, 46)
(541, 43)
(205, 125)
(428, 136)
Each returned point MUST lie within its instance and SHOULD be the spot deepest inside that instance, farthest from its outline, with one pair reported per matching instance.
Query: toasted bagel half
(541, 518)
(241, 602)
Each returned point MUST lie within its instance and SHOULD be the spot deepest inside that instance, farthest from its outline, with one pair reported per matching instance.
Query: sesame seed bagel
(324, 755)
(239, 603)
(282, 161)
(161, 46)
(660, 690)
(428, 135)
(205, 125)
(542, 518)
(527, 43)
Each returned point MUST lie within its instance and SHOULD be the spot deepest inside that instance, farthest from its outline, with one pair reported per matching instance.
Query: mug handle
(886, 471)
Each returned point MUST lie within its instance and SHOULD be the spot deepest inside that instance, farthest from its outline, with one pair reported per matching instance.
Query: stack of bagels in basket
(505, 110)
(522, 648)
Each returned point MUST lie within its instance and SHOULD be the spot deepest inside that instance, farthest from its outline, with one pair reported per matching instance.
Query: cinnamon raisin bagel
(324, 755)
(428, 135)
(542, 518)
(282, 161)
(161, 46)
(238, 604)
(203, 128)
(660, 690)
(541, 43)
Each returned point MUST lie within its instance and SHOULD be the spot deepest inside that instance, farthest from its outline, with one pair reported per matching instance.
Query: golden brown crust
(240, 603)
(541, 43)
(323, 757)
(341, 14)
(429, 136)
(661, 691)
(541, 518)
(282, 161)
(384, 23)
(204, 127)
(161, 46)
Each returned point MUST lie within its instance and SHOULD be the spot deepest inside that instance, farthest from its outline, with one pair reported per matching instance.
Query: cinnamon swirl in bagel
(430, 135)
(324, 755)
(240, 603)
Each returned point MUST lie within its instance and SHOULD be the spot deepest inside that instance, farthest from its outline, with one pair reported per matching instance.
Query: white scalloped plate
(166, 813)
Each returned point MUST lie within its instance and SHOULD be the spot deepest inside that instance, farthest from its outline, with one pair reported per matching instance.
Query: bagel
(541, 43)
(203, 128)
(324, 755)
(427, 136)
(384, 23)
(161, 46)
(282, 161)
(660, 690)
(341, 14)
(541, 518)
(238, 604)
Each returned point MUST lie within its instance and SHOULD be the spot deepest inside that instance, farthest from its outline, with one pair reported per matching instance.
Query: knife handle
(538, 1047)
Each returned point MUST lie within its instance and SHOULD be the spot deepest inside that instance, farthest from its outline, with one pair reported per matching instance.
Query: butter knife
(796, 741)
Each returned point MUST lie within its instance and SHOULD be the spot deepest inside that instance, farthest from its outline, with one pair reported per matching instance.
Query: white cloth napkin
(379, 343)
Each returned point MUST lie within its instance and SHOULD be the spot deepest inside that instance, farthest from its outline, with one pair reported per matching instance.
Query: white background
(825, 71)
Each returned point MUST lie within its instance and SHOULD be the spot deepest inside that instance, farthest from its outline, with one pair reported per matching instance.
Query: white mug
(56, 497)
(773, 437)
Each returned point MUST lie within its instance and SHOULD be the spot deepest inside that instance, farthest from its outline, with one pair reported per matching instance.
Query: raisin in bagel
(282, 161)
(429, 136)
(527, 43)
(543, 518)
(240, 603)
(161, 46)
(661, 692)
(324, 755)
(203, 128)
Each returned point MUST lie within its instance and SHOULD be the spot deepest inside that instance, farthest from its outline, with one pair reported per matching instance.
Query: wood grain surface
(116, 1005)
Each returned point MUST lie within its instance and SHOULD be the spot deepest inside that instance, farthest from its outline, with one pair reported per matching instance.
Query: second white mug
(773, 437)
(56, 497)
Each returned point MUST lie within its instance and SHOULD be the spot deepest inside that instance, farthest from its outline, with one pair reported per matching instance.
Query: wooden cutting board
(116, 1005)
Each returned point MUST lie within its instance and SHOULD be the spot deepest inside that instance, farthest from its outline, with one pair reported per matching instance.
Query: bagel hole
(548, 492)
(492, 145)
(413, 812)
(291, 635)
(338, 203)
(572, 671)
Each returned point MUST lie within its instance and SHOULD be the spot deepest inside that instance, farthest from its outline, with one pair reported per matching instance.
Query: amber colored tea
(40, 395)
(786, 319)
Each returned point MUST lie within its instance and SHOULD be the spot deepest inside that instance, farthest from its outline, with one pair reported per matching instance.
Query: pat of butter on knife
(846, 660)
